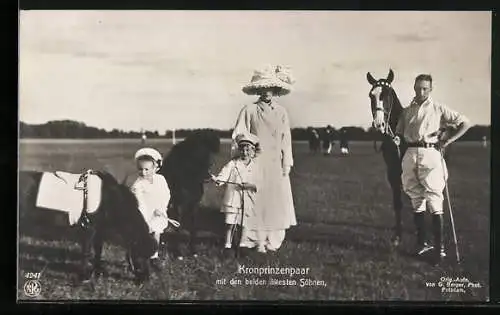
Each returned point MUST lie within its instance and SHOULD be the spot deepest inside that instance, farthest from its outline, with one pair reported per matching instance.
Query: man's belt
(421, 144)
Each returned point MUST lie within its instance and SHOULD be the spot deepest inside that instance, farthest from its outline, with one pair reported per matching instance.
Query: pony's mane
(189, 160)
(203, 138)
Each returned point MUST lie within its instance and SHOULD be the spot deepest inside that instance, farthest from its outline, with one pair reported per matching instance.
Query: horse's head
(382, 99)
(123, 214)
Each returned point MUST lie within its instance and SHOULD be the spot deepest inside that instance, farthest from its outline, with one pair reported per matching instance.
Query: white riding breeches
(424, 178)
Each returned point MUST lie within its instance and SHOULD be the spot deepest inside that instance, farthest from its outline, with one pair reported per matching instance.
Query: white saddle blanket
(61, 191)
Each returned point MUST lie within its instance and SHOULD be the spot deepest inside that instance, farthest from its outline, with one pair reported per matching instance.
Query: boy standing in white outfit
(241, 176)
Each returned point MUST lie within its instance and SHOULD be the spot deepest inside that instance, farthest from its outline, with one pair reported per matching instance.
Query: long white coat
(274, 197)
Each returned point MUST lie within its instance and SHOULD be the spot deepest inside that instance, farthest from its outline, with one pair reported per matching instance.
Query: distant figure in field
(344, 143)
(314, 141)
(327, 139)
(143, 138)
(485, 142)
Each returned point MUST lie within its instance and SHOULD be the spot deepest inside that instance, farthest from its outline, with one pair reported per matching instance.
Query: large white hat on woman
(278, 77)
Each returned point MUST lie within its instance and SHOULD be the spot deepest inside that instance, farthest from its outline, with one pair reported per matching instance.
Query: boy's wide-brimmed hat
(247, 138)
(149, 152)
(278, 77)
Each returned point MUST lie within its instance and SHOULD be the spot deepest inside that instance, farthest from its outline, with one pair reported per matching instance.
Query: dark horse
(386, 110)
(186, 168)
(117, 211)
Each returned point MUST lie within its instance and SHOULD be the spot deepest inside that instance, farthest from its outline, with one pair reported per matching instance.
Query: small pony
(186, 169)
(111, 207)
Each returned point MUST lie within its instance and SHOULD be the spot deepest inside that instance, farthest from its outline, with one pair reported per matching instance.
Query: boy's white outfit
(239, 204)
(153, 195)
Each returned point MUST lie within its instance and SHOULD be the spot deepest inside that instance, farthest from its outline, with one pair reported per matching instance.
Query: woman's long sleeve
(286, 142)
(242, 126)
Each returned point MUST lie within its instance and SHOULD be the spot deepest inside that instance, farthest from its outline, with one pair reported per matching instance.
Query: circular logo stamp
(32, 288)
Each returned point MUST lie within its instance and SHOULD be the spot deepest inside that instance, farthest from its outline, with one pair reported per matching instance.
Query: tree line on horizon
(70, 129)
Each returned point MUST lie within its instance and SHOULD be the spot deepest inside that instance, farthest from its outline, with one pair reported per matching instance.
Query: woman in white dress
(268, 120)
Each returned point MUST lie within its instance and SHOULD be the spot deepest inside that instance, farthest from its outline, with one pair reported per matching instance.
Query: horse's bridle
(387, 113)
(84, 218)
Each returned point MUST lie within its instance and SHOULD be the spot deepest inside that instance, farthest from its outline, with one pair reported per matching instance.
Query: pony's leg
(87, 240)
(193, 205)
(98, 244)
(173, 240)
(191, 212)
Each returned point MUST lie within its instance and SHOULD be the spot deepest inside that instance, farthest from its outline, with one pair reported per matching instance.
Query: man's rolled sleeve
(450, 117)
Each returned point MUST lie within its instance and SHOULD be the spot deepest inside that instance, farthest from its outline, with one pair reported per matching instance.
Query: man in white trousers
(424, 170)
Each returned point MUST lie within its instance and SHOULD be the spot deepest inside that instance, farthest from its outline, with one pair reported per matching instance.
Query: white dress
(153, 196)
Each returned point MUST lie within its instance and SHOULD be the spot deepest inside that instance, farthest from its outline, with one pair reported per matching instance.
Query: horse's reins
(174, 222)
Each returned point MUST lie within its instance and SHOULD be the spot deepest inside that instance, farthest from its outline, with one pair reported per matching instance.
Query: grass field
(344, 215)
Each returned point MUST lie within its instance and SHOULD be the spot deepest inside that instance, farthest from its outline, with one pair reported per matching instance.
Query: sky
(163, 70)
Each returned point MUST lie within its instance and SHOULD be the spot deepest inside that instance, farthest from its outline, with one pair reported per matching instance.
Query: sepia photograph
(254, 155)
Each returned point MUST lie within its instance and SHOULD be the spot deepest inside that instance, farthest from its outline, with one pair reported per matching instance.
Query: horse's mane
(397, 109)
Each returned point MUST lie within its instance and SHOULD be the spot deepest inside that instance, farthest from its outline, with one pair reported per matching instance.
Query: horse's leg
(395, 183)
(393, 164)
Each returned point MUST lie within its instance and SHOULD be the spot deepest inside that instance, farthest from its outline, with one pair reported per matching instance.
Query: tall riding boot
(422, 246)
(437, 227)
